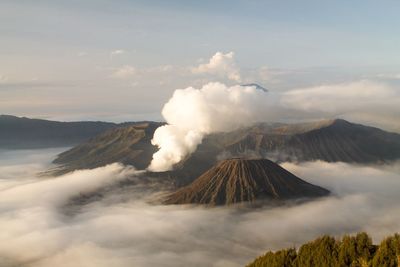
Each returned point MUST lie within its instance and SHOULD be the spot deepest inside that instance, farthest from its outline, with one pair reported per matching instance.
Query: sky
(122, 60)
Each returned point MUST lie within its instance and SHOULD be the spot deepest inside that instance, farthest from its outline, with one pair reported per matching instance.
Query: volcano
(328, 140)
(244, 180)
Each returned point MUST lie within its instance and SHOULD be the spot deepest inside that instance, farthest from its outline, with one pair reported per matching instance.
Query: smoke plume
(193, 113)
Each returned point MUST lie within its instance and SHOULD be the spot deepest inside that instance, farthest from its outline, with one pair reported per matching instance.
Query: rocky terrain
(244, 180)
(129, 145)
(328, 140)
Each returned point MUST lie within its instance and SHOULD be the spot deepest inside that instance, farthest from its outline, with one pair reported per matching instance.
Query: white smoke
(193, 113)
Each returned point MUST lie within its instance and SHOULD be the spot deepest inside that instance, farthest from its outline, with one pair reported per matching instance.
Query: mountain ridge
(31, 133)
(129, 145)
(26, 133)
(329, 140)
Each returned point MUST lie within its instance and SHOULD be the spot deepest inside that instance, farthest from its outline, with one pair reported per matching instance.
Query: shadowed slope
(331, 141)
(327, 140)
(238, 180)
(25, 133)
(128, 145)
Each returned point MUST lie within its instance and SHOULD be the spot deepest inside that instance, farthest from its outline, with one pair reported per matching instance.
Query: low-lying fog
(120, 229)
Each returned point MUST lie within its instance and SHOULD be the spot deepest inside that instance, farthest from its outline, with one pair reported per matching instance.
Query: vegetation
(326, 251)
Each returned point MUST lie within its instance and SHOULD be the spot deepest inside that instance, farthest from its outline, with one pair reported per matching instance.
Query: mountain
(330, 140)
(25, 133)
(257, 86)
(327, 140)
(244, 180)
(129, 145)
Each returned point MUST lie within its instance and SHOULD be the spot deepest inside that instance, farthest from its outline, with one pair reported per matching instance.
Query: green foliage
(388, 252)
(350, 251)
(281, 258)
(355, 250)
(320, 252)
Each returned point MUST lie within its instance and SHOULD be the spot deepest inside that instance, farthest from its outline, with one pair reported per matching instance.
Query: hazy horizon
(121, 61)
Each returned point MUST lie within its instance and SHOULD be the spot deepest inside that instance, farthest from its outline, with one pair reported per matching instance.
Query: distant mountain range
(257, 86)
(26, 133)
(101, 143)
(238, 180)
(197, 177)
(328, 140)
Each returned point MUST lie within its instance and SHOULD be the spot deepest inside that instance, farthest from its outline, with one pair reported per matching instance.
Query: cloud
(74, 183)
(30, 205)
(364, 101)
(116, 53)
(340, 97)
(270, 75)
(161, 68)
(124, 72)
(82, 54)
(390, 76)
(128, 71)
(193, 113)
(3, 79)
(120, 229)
(222, 65)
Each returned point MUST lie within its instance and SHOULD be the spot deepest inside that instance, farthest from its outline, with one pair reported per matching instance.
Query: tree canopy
(326, 251)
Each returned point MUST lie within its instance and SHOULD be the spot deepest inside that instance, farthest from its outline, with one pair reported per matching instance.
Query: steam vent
(237, 180)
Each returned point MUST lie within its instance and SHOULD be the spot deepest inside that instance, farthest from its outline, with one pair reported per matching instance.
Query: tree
(388, 253)
(351, 251)
(321, 252)
(281, 258)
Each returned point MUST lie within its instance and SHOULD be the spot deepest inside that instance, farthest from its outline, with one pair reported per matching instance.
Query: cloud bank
(120, 229)
(116, 52)
(123, 72)
(346, 97)
(363, 101)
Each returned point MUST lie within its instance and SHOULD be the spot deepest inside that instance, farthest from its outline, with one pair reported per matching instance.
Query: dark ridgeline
(244, 180)
(257, 86)
(25, 133)
(326, 251)
(328, 140)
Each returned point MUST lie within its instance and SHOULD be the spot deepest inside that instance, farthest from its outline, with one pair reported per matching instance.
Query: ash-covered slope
(328, 140)
(129, 145)
(331, 140)
(238, 180)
